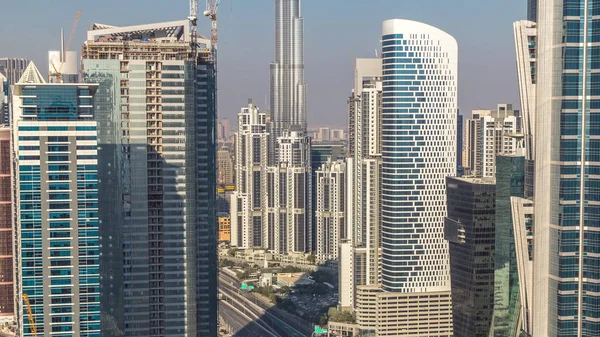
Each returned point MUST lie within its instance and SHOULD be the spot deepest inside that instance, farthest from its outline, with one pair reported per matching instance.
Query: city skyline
(343, 42)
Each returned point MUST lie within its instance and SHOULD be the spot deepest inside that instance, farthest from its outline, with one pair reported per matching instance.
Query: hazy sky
(336, 32)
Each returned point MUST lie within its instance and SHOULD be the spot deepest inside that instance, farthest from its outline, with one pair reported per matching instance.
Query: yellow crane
(30, 314)
(57, 73)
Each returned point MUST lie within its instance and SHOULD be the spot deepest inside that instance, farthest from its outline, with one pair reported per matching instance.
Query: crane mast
(30, 315)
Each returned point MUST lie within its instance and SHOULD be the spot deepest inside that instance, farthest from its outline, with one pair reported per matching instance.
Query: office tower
(364, 188)
(565, 265)
(12, 69)
(330, 211)
(56, 180)
(469, 229)
(67, 67)
(7, 295)
(532, 11)
(288, 93)
(459, 145)
(289, 203)
(156, 115)
(225, 170)
(248, 224)
(418, 153)
(510, 182)
(470, 141)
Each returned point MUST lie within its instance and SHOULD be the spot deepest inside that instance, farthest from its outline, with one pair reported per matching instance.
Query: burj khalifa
(288, 91)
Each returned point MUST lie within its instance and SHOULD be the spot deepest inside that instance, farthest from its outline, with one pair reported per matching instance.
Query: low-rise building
(294, 279)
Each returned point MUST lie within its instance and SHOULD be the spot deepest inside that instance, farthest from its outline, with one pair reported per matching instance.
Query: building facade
(248, 203)
(7, 294)
(470, 231)
(156, 115)
(330, 211)
(510, 182)
(56, 178)
(418, 152)
(565, 265)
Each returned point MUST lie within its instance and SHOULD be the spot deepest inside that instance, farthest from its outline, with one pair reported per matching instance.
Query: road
(282, 324)
(240, 325)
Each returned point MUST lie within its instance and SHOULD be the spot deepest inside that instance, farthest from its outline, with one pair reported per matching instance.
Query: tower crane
(211, 12)
(30, 315)
(63, 53)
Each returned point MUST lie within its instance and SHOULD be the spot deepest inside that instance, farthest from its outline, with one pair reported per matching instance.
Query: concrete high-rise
(419, 107)
(470, 229)
(7, 297)
(4, 100)
(248, 208)
(156, 115)
(566, 262)
(57, 206)
(330, 211)
(288, 90)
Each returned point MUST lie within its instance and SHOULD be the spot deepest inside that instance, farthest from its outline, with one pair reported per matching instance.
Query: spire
(32, 75)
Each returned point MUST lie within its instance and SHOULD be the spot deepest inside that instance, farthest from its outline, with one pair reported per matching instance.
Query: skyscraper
(248, 209)
(420, 74)
(7, 294)
(57, 206)
(532, 11)
(288, 92)
(156, 115)
(330, 212)
(469, 229)
(566, 240)
(459, 145)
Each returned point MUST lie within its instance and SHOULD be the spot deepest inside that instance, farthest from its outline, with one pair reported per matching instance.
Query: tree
(311, 258)
(232, 252)
(340, 316)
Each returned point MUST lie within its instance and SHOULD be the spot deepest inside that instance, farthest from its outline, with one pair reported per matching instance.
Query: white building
(330, 209)
(419, 107)
(248, 225)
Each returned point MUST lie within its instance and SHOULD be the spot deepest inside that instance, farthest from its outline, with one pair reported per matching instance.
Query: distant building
(330, 211)
(459, 146)
(7, 294)
(57, 206)
(469, 229)
(489, 133)
(225, 168)
(324, 134)
(4, 100)
(293, 279)
(12, 69)
(338, 134)
(224, 228)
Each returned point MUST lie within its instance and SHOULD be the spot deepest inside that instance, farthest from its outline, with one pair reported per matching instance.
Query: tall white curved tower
(420, 66)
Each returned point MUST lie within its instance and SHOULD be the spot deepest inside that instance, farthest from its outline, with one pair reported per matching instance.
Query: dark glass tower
(469, 228)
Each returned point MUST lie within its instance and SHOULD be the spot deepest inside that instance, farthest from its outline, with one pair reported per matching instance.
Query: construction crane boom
(30, 314)
(211, 12)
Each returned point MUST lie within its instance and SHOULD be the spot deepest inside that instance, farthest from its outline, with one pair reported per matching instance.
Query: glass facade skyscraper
(56, 178)
(566, 275)
(156, 114)
(419, 152)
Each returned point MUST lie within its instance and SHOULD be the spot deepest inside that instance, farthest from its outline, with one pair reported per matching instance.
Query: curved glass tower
(418, 152)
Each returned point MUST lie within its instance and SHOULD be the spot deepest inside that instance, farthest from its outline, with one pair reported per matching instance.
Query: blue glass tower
(566, 260)
(57, 207)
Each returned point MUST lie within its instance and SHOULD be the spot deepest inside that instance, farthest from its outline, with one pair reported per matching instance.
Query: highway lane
(240, 325)
(285, 323)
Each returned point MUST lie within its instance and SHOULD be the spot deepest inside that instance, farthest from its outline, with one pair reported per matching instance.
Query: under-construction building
(155, 108)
